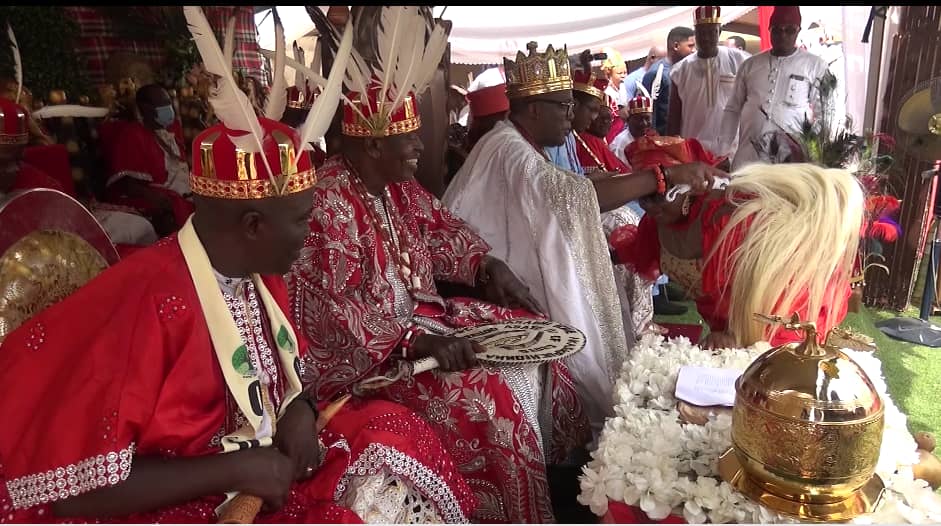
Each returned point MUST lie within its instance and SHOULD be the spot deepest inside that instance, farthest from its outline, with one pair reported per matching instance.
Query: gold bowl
(807, 430)
(860, 501)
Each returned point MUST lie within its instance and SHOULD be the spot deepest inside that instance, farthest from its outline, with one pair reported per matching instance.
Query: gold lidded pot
(806, 431)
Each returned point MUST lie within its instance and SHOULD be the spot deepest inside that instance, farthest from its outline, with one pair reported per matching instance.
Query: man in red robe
(24, 167)
(365, 290)
(591, 106)
(185, 350)
(14, 136)
(145, 166)
(684, 238)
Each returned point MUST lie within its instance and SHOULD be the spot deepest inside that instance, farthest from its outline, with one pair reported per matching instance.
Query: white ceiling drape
(487, 34)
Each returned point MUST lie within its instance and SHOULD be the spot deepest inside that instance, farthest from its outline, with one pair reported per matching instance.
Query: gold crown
(538, 73)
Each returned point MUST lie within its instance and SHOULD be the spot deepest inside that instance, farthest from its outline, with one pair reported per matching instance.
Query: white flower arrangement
(647, 457)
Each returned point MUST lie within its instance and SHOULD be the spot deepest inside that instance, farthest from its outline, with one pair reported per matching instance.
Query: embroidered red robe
(347, 298)
(125, 367)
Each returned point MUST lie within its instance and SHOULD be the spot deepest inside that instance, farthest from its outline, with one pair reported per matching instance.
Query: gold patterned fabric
(686, 272)
(40, 269)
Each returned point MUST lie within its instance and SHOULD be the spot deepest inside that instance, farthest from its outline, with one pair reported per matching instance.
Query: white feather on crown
(17, 63)
(407, 62)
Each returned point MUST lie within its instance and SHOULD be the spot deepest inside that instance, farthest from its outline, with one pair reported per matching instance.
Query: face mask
(164, 115)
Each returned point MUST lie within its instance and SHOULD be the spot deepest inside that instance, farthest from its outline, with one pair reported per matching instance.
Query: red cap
(639, 104)
(299, 99)
(587, 83)
(222, 170)
(14, 123)
(381, 119)
(785, 15)
(652, 150)
(488, 101)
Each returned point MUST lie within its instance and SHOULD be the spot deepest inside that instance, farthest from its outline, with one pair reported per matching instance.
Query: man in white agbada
(703, 82)
(545, 222)
(773, 90)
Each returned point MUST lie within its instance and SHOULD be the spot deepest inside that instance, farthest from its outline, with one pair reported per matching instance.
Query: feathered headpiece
(14, 123)
(278, 95)
(17, 63)
(245, 157)
(382, 101)
(70, 110)
(229, 38)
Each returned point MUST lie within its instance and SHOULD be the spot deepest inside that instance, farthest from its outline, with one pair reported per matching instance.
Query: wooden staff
(243, 508)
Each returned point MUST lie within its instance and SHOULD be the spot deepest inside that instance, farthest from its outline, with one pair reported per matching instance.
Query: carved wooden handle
(241, 510)
(244, 508)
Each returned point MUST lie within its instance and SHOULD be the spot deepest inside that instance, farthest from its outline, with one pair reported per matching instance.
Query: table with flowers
(651, 466)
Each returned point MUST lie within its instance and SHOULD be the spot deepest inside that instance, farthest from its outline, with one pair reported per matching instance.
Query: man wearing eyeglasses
(773, 91)
(545, 222)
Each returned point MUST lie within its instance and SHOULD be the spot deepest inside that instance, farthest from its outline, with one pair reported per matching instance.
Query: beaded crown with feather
(247, 156)
(381, 100)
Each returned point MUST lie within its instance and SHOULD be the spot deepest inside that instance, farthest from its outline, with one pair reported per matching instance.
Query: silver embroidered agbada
(545, 223)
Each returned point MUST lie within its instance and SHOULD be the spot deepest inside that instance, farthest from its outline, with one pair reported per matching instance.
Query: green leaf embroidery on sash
(284, 339)
(240, 361)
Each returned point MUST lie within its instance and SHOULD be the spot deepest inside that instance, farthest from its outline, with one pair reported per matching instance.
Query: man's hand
(698, 176)
(598, 174)
(297, 438)
(719, 340)
(267, 474)
(453, 354)
(501, 286)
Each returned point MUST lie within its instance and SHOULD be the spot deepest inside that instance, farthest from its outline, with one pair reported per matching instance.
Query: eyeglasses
(568, 106)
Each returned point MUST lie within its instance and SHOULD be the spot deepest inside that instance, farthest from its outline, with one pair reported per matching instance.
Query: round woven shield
(524, 341)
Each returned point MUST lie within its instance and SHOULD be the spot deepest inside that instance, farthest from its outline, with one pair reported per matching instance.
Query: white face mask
(164, 115)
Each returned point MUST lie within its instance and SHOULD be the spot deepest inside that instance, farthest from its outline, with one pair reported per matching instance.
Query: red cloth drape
(620, 513)
(764, 25)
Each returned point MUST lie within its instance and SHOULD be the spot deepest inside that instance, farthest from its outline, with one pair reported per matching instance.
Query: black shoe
(664, 307)
(675, 292)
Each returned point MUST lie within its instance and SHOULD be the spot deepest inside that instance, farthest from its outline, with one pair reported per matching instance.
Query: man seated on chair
(185, 351)
(146, 168)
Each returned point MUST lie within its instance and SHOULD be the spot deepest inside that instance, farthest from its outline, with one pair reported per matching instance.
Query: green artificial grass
(912, 372)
